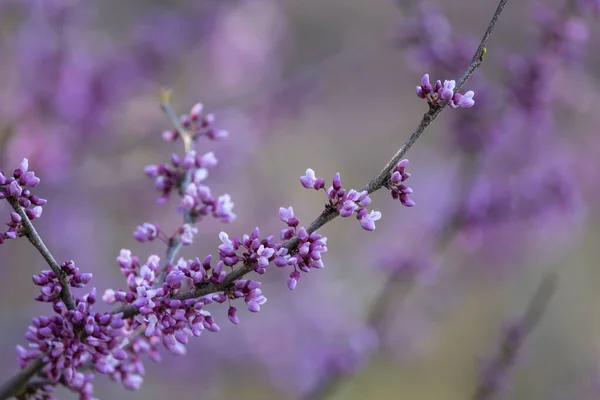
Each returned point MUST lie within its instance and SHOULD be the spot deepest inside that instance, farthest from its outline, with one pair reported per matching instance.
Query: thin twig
(38, 243)
(15, 385)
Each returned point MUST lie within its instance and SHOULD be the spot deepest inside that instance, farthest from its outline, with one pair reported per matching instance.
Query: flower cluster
(71, 339)
(252, 294)
(400, 190)
(311, 248)
(197, 126)
(187, 175)
(259, 253)
(160, 314)
(146, 232)
(197, 198)
(16, 186)
(256, 252)
(199, 201)
(346, 203)
(442, 94)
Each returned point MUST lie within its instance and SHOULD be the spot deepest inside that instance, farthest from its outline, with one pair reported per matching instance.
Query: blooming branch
(168, 302)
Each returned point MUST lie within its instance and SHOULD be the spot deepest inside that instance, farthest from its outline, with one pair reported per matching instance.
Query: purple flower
(187, 233)
(17, 186)
(463, 100)
(146, 232)
(197, 126)
(223, 209)
(310, 181)
(232, 314)
(287, 216)
(345, 202)
(442, 94)
(367, 221)
(399, 190)
(59, 338)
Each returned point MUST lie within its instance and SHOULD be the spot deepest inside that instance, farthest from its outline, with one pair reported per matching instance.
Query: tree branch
(38, 243)
(15, 385)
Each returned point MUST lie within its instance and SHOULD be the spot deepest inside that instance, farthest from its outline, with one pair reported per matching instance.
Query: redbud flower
(367, 220)
(346, 202)
(400, 190)
(197, 126)
(146, 232)
(310, 181)
(442, 94)
(17, 186)
(73, 338)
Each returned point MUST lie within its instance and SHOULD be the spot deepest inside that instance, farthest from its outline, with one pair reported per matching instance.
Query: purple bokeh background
(319, 84)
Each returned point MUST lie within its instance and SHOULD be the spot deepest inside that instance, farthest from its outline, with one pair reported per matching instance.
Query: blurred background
(505, 191)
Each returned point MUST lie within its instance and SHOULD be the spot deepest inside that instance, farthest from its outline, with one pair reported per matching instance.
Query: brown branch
(16, 385)
(38, 243)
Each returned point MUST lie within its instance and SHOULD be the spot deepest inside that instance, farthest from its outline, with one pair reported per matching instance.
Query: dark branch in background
(326, 216)
(513, 338)
(38, 243)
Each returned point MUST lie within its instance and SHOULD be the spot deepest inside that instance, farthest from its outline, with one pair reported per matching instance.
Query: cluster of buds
(17, 186)
(442, 94)
(345, 202)
(162, 316)
(310, 248)
(197, 126)
(72, 338)
(400, 190)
